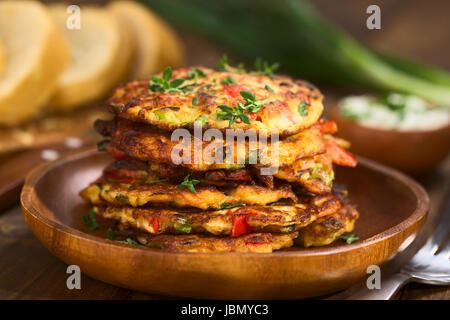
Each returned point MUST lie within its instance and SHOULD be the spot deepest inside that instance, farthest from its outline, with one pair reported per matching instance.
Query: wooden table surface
(411, 27)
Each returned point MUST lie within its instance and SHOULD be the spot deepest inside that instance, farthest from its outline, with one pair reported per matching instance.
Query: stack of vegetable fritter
(253, 199)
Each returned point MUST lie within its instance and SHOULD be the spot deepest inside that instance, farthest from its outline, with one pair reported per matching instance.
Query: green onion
(122, 198)
(320, 173)
(182, 224)
(302, 109)
(226, 205)
(315, 48)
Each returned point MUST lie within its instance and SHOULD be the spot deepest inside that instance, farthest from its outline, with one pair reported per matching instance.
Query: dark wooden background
(415, 28)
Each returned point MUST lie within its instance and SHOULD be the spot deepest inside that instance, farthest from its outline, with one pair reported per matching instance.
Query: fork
(430, 265)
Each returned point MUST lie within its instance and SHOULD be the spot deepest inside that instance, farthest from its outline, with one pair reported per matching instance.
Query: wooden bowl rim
(29, 207)
(335, 112)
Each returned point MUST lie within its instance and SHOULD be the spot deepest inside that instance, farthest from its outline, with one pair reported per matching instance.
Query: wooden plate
(392, 206)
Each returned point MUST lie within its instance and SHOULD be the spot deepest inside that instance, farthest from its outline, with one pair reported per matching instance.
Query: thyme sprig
(158, 84)
(188, 184)
(223, 65)
(265, 68)
(231, 114)
(349, 239)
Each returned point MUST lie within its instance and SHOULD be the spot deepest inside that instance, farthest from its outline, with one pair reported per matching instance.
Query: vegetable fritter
(305, 159)
(327, 229)
(138, 194)
(252, 242)
(282, 105)
(233, 221)
(146, 144)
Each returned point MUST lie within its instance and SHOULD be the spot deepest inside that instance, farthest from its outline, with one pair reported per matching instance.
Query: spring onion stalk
(293, 33)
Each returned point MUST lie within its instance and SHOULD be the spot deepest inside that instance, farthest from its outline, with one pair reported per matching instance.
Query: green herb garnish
(268, 88)
(194, 101)
(196, 73)
(110, 234)
(229, 80)
(202, 119)
(302, 109)
(188, 184)
(122, 198)
(223, 65)
(250, 102)
(266, 69)
(89, 220)
(349, 239)
(289, 228)
(130, 242)
(233, 113)
(103, 145)
(158, 84)
(226, 205)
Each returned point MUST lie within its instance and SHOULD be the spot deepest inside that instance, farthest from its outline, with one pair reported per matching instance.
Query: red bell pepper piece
(254, 117)
(240, 224)
(155, 224)
(116, 153)
(339, 155)
(326, 126)
(239, 175)
(234, 90)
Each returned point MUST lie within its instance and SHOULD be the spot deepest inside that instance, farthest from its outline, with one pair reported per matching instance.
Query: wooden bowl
(415, 152)
(393, 208)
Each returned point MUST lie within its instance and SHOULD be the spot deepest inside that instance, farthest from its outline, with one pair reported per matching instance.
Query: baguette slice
(145, 30)
(157, 45)
(100, 52)
(35, 55)
(2, 58)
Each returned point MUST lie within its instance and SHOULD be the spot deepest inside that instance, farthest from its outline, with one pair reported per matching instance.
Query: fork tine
(441, 232)
(445, 252)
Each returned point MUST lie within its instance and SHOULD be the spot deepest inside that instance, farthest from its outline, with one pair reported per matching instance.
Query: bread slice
(145, 30)
(2, 58)
(172, 52)
(100, 56)
(35, 56)
(157, 46)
